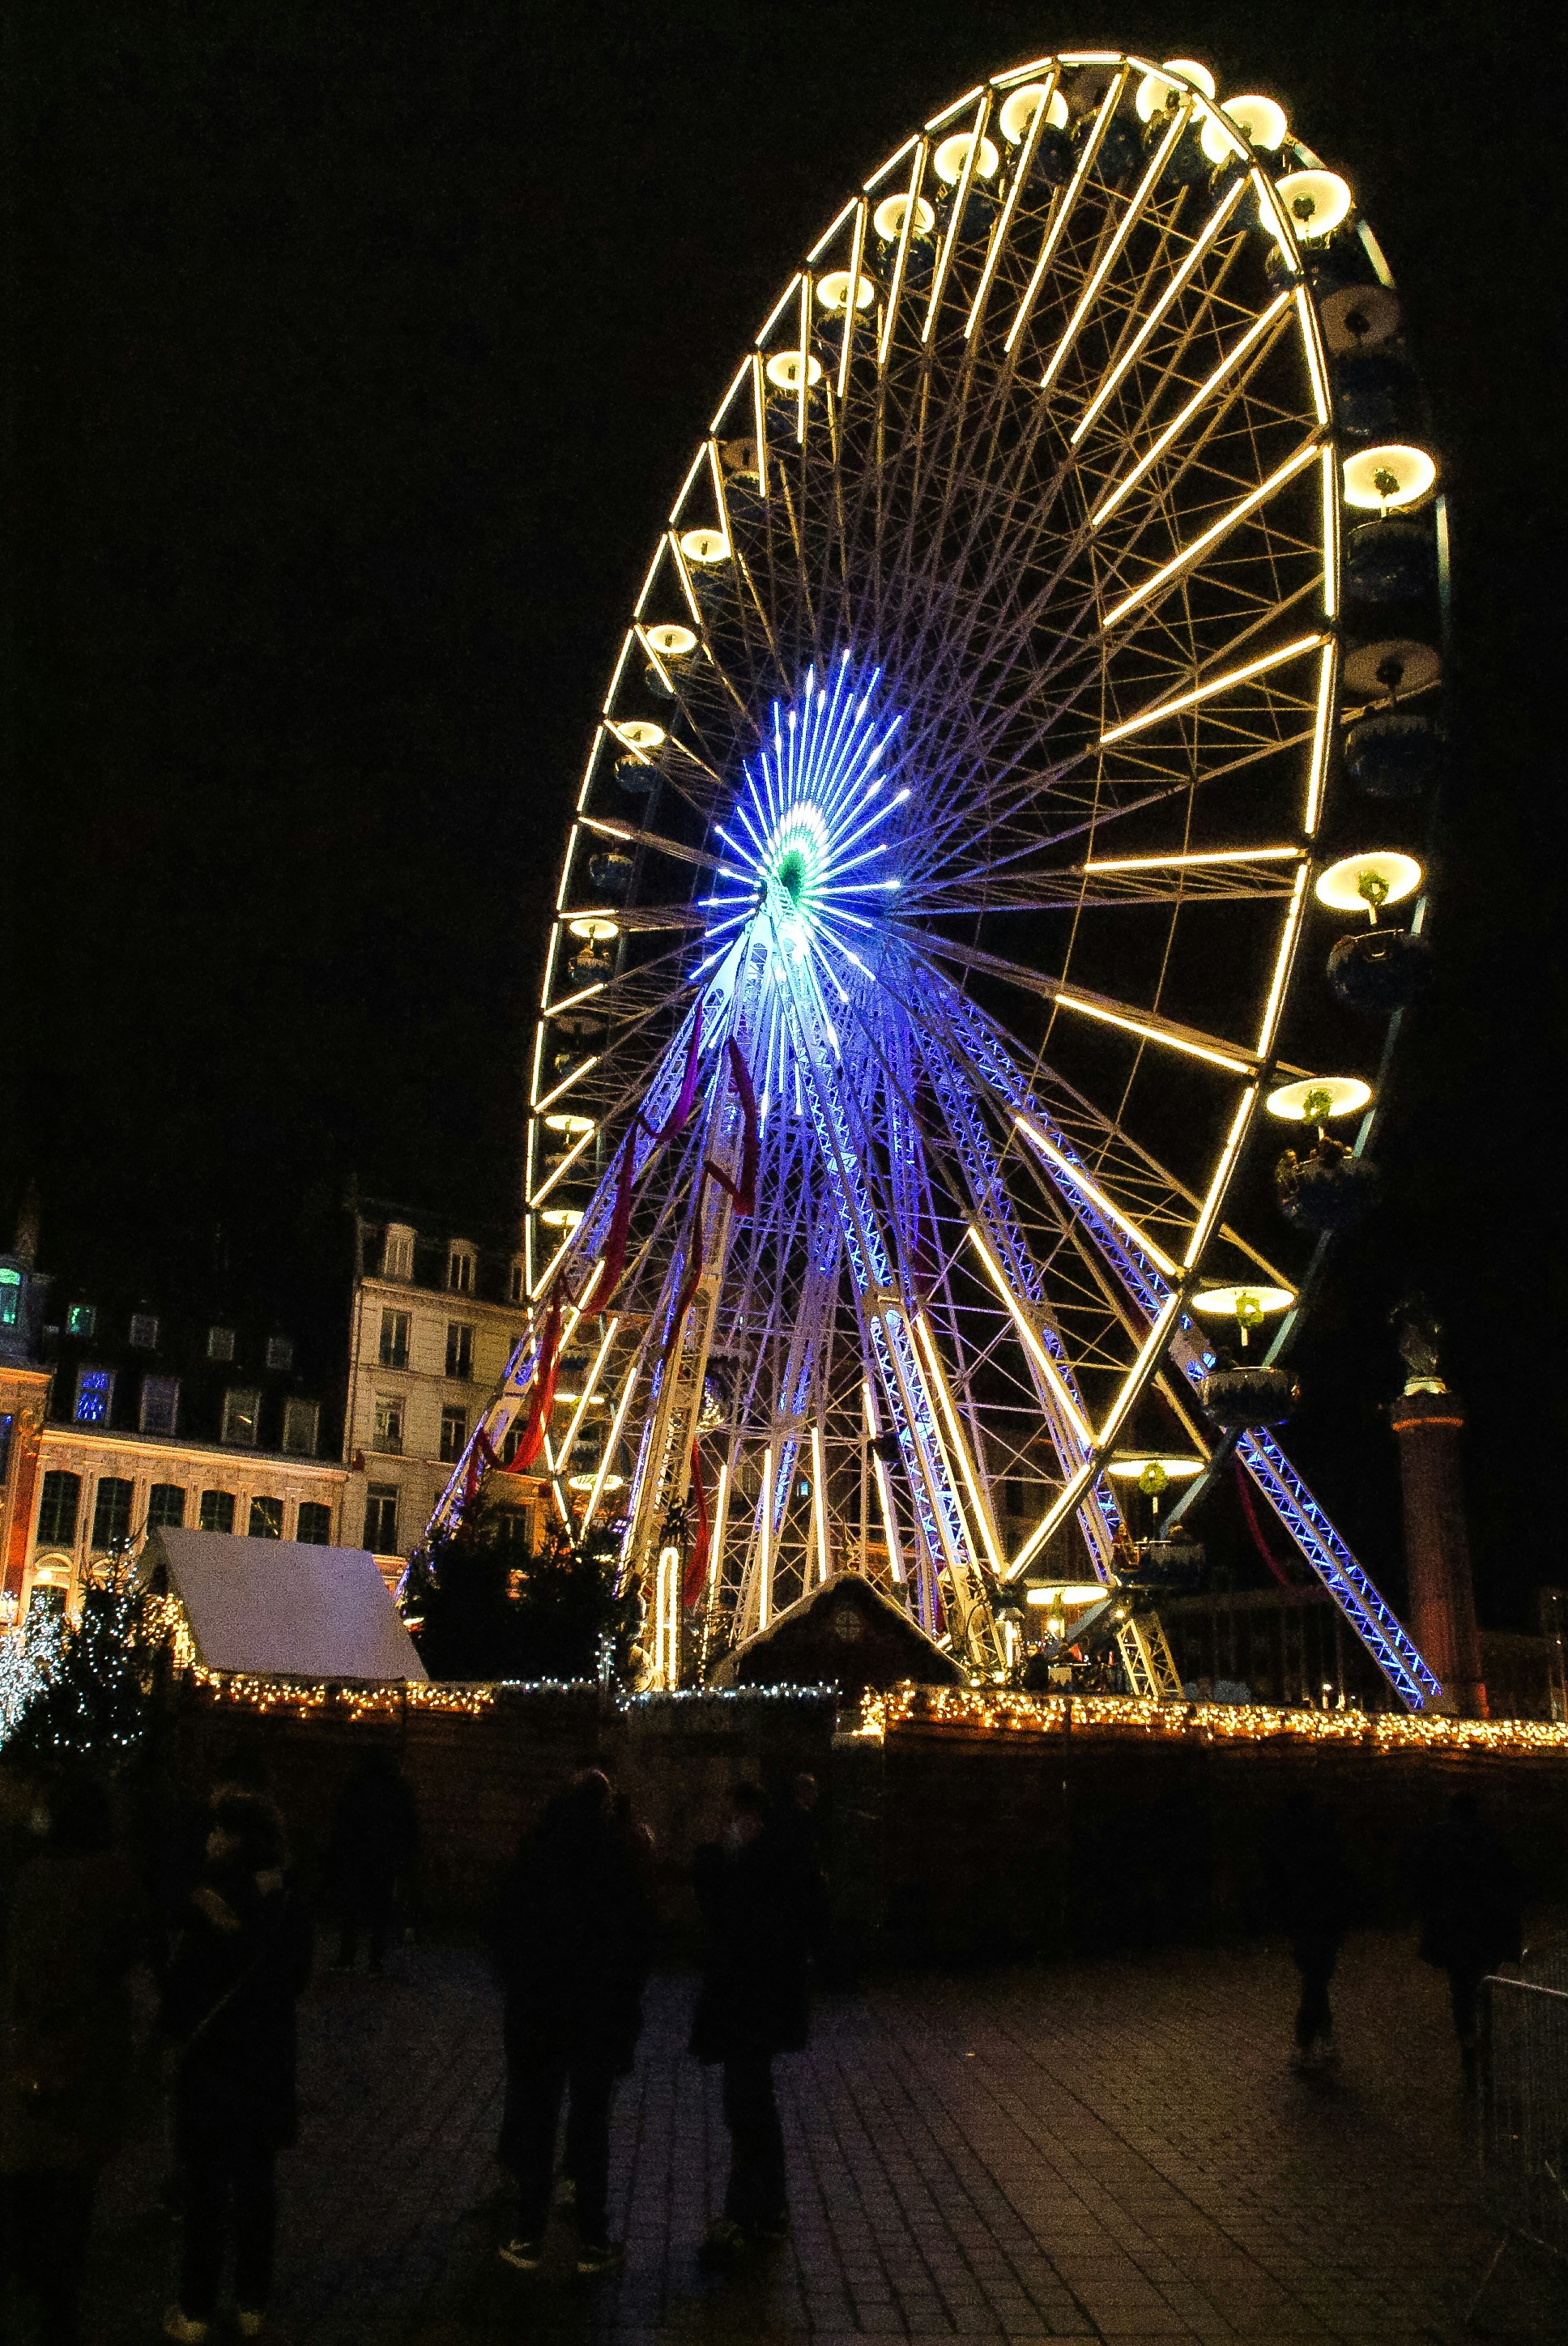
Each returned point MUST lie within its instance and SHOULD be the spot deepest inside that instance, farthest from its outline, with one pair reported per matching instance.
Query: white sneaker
(184, 2329)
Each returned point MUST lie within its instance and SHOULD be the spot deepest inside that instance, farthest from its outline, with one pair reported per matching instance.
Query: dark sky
(352, 355)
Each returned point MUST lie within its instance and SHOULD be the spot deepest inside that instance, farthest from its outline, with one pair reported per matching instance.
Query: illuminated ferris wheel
(928, 933)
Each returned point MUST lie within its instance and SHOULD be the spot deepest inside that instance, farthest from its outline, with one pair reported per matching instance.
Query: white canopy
(276, 1608)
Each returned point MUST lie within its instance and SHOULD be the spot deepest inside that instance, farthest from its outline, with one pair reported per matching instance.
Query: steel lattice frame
(964, 763)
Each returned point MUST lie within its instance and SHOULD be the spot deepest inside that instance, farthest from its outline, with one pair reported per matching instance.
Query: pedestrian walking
(1317, 1900)
(1471, 1904)
(758, 1892)
(375, 1835)
(74, 1933)
(239, 1965)
(574, 1945)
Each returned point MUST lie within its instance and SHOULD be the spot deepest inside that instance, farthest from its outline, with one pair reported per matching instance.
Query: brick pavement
(1113, 2149)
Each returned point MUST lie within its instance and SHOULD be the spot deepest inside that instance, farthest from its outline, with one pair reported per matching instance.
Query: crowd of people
(219, 1927)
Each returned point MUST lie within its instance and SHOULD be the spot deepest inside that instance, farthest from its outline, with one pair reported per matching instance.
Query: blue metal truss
(1367, 1611)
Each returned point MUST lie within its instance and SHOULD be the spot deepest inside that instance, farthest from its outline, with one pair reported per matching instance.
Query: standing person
(241, 1961)
(1471, 1901)
(573, 1944)
(376, 1833)
(1317, 1903)
(73, 1936)
(758, 1893)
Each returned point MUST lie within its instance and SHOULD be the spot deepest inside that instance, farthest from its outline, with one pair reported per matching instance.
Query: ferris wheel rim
(702, 539)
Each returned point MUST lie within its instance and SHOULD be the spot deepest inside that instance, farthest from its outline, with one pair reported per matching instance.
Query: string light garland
(360, 1698)
(998, 1711)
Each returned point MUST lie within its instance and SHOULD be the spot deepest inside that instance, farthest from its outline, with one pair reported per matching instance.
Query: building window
(280, 1352)
(7, 1421)
(57, 1509)
(453, 1433)
(459, 1349)
(515, 1279)
(94, 1396)
(159, 1405)
(267, 1519)
(380, 1518)
(241, 1408)
(112, 1511)
(397, 1251)
(300, 1426)
(459, 1270)
(515, 1532)
(388, 1424)
(221, 1343)
(217, 1511)
(10, 1297)
(82, 1319)
(144, 1331)
(313, 1525)
(394, 1339)
(164, 1507)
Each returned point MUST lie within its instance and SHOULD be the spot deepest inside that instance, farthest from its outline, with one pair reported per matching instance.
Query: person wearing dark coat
(574, 1943)
(239, 1965)
(1471, 1903)
(1317, 1900)
(74, 1932)
(376, 1833)
(758, 1893)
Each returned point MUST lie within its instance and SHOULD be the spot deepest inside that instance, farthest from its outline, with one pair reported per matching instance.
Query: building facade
(126, 1416)
(434, 1320)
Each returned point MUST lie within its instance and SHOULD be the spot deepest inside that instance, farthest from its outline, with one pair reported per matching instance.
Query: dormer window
(81, 1319)
(10, 1296)
(144, 1331)
(221, 1343)
(460, 1269)
(514, 1280)
(397, 1251)
(280, 1352)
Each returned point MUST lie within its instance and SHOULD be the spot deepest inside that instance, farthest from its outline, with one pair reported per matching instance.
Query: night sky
(352, 357)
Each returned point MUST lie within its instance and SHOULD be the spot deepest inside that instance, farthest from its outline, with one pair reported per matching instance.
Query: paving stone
(1127, 2156)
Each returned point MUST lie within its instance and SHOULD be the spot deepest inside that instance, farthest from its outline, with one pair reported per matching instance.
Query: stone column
(1428, 1422)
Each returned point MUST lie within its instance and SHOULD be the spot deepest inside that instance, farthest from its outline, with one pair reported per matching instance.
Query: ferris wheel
(930, 935)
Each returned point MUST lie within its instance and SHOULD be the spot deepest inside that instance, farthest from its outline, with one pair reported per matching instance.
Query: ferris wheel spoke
(1252, 348)
(1192, 1042)
(1198, 549)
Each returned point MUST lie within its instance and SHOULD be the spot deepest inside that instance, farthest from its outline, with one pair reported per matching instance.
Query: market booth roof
(276, 1608)
(845, 1633)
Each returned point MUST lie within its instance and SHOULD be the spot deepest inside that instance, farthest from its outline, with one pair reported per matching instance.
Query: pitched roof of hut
(843, 1633)
(278, 1609)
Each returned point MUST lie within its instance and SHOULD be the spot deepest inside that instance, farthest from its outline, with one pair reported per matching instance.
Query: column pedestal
(1428, 1422)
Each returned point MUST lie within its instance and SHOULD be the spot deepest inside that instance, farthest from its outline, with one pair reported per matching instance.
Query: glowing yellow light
(1156, 90)
(1072, 1596)
(1378, 479)
(639, 732)
(704, 546)
(562, 1120)
(1261, 121)
(1230, 1303)
(1361, 883)
(596, 926)
(833, 291)
(889, 218)
(784, 369)
(954, 153)
(561, 1217)
(1315, 202)
(1175, 1467)
(672, 641)
(1019, 110)
(589, 1401)
(586, 1482)
(1318, 1099)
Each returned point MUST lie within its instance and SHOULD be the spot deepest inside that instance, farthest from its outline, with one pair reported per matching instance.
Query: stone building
(139, 1414)
(436, 1318)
